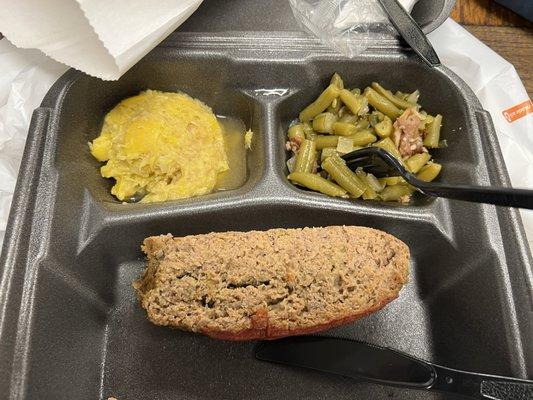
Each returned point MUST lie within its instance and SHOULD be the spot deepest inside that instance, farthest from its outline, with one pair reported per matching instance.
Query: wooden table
(502, 30)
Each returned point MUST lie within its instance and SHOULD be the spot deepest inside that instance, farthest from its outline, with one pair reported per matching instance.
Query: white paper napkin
(99, 37)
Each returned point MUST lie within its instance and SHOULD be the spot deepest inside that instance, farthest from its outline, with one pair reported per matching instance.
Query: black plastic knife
(385, 366)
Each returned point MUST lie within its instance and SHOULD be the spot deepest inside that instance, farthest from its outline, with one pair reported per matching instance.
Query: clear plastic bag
(346, 25)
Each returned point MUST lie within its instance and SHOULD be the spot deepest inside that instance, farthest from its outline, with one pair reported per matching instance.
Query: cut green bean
(362, 123)
(344, 129)
(348, 118)
(397, 101)
(391, 180)
(388, 145)
(345, 177)
(384, 128)
(369, 193)
(376, 117)
(337, 81)
(327, 152)
(323, 141)
(413, 97)
(396, 193)
(416, 162)
(352, 101)
(345, 145)
(305, 158)
(320, 104)
(374, 183)
(323, 123)
(429, 172)
(317, 183)
(432, 137)
(335, 106)
(380, 103)
(363, 138)
(356, 91)
(296, 132)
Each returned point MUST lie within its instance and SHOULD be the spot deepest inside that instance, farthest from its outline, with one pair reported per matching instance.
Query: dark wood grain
(486, 12)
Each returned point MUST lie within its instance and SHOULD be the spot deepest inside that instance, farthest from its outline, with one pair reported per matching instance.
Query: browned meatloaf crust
(271, 284)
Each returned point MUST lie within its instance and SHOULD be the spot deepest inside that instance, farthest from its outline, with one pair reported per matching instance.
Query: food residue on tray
(161, 146)
(342, 120)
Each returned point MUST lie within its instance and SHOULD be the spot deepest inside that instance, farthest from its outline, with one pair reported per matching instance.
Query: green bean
(327, 152)
(317, 183)
(369, 193)
(384, 128)
(352, 101)
(305, 158)
(401, 95)
(376, 117)
(392, 180)
(363, 138)
(416, 162)
(395, 192)
(429, 172)
(337, 81)
(413, 97)
(380, 103)
(362, 123)
(310, 134)
(323, 141)
(348, 118)
(356, 91)
(345, 145)
(388, 145)
(397, 101)
(344, 129)
(296, 131)
(323, 123)
(345, 177)
(335, 106)
(432, 137)
(320, 104)
(374, 183)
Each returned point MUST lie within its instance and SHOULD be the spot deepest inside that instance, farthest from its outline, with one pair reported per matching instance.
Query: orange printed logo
(518, 111)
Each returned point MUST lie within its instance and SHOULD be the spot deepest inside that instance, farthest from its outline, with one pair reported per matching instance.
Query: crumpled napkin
(101, 38)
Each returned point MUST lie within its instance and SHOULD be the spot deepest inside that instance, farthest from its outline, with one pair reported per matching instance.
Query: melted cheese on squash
(162, 145)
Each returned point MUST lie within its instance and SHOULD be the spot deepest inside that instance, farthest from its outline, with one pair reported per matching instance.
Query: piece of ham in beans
(406, 136)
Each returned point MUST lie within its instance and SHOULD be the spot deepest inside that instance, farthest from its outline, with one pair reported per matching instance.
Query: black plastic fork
(379, 161)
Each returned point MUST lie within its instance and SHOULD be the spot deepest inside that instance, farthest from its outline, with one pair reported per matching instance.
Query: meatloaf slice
(271, 284)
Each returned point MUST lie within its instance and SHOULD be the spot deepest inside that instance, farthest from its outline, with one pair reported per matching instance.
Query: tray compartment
(442, 315)
(87, 100)
(439, 95)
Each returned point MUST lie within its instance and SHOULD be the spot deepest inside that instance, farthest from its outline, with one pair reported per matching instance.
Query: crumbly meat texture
(406, 136)
(270, 284)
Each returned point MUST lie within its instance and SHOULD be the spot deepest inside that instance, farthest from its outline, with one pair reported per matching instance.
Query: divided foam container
(70, 324)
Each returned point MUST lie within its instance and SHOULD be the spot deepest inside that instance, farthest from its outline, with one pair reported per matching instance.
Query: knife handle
(410, 31)
(481, 386)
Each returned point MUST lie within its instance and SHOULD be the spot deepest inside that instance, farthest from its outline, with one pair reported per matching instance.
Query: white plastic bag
(498, 87)
(25, 77)
(346, 25)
